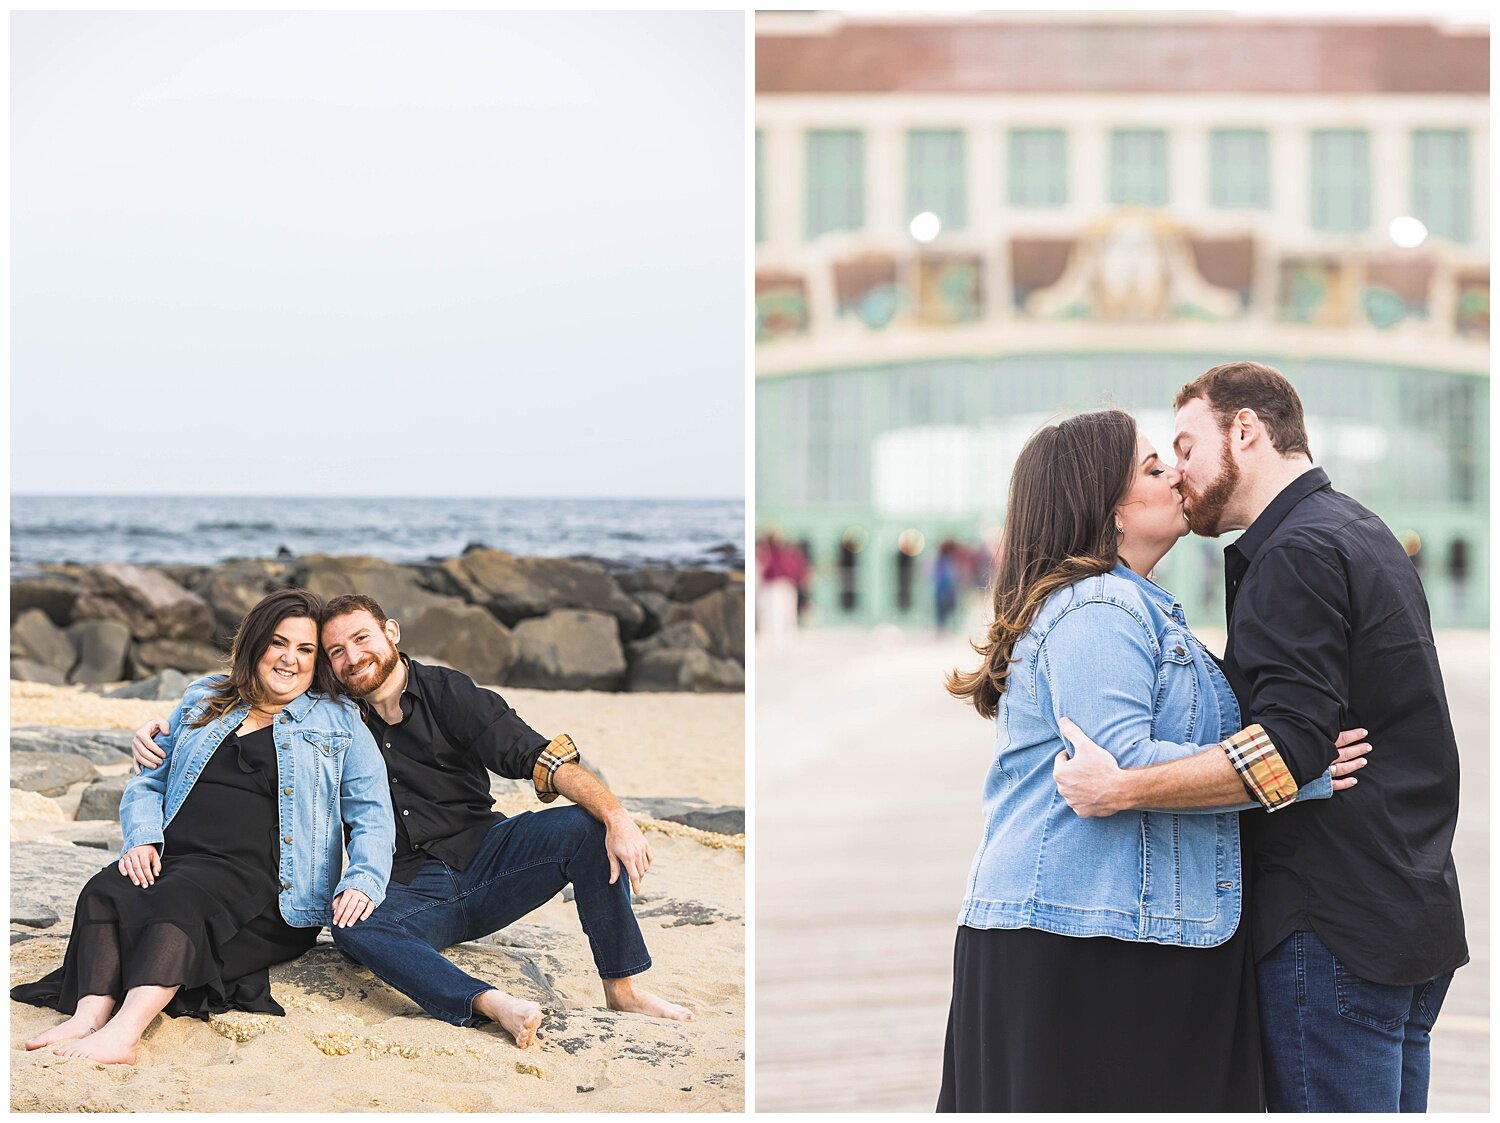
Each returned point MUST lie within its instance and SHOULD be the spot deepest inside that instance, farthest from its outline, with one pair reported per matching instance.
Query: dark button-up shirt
(1329, 630)
(451, 735)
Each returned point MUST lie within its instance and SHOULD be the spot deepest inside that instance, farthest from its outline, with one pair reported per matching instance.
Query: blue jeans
(522, 863)
(1336, 1042)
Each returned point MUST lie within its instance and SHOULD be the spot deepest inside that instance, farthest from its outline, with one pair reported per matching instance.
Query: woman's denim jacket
(1112, 652)
(328, 774)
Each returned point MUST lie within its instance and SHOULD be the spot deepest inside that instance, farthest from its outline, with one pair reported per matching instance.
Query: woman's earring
(1119, 529)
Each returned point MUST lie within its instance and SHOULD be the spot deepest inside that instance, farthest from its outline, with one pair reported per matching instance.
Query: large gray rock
(34, 637)
(102, 649)
(694, 583)
(234, 588)
(686, 633)
(690, 811)
(101, 746)
(651, 579)
(568, 650)
(165, 686)
(722, 615)
(28, 670)
(397, 589)
(152, 656)
(463, 636)
(45, 878)
(661, 612)
(54, 592)
(49, 774)
(149, 602)
(684, 669)
(516, 589)
(101, 799)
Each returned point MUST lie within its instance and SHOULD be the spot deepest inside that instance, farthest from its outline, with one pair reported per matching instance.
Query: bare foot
(75, 1027)
(624, 996)
(516, 1016)
(84, 1022)
(108, 1046)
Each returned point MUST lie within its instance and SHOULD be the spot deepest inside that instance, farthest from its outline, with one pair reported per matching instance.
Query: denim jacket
(328, 773)
(1112, 652)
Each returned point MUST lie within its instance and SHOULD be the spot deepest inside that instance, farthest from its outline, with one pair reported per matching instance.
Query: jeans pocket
(1430, 997)
(1372, 1004)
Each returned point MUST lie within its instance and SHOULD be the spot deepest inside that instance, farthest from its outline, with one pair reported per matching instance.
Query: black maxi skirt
(1042, 1022)
(210, 924)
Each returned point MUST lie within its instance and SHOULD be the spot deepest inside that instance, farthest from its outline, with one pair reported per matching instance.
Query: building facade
(968, 227)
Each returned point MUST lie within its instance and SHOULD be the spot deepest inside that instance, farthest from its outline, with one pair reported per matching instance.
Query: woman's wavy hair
(1059, 529)
(251, 640)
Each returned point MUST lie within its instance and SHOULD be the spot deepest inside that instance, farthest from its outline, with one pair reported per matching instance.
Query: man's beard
(383, 670)
(1205, 512)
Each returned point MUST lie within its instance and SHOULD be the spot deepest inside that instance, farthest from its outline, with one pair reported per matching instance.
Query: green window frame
(1340, 180)
(1139, 167)
(1037, 167)
(1239, 169)
(835, 181)
(1440, 182)
(935, 167)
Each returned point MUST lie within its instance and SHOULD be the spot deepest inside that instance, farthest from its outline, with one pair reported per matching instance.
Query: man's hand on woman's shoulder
(143, 750)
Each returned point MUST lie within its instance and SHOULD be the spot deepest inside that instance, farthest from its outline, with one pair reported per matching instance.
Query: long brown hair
(1059, 528)
(251, 640)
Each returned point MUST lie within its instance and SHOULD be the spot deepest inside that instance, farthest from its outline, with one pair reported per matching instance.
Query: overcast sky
(378, 253)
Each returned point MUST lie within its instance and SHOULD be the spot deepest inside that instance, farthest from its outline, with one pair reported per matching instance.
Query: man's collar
(1258, 532)
(413, 686)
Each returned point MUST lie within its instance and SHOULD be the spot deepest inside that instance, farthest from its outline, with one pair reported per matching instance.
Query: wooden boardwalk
(867, 815)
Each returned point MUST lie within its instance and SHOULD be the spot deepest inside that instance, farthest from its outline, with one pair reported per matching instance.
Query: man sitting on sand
(463, 870)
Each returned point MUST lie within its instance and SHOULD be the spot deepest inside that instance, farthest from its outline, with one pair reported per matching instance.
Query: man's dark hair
(352, 602)
(1231, 387)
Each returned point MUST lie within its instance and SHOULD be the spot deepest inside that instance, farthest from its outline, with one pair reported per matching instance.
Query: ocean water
(206, 530)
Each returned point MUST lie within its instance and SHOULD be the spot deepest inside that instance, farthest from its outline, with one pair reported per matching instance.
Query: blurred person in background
(782, 570)
(1100, 964)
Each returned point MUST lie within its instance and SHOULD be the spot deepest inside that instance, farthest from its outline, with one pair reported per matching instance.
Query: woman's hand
(350, 907)
(141, 864)
(1352, 748)
(146, 752)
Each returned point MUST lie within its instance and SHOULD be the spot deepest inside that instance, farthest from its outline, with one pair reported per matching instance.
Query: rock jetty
(543, 623)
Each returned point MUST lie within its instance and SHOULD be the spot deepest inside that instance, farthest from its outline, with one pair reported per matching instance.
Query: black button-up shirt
(1329, 630)
(452, 734)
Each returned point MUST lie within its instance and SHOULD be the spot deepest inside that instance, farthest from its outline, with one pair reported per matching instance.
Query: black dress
(210, 923)
(1042, 1022)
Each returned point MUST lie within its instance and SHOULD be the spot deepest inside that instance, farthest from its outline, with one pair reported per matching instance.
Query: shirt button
(387, 744)
(286, 791)
(404, 812)
(395, 780)
(1180, 651)
(286, 838)
(286, 885)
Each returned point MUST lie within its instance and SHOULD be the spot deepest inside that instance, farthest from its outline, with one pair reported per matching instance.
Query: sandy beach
(350, 1043)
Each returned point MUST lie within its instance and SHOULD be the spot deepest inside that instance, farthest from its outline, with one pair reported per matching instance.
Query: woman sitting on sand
(231, 860)
(1100, 963)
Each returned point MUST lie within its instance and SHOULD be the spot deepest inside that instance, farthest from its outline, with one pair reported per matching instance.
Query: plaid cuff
(1261, 768)
(559, 751)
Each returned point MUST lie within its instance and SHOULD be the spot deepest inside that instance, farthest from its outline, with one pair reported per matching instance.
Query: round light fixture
(1408, 232)
(926, 226)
